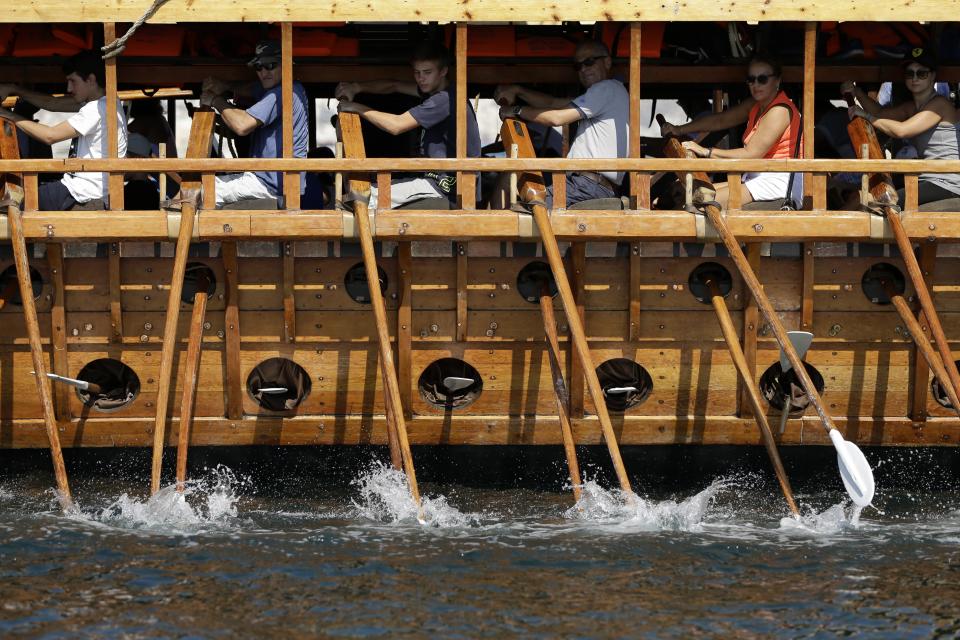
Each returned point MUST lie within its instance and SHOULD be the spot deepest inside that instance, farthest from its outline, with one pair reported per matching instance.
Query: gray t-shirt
(437, 117)
(267, 141)
(604, 130)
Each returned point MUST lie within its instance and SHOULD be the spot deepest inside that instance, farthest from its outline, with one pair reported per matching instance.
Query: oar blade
(456, 383)
(617, 391)
(274, 390)
(855, 471)
(801, 341)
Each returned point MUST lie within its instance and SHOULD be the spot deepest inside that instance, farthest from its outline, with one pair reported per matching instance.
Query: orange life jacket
(785, 147)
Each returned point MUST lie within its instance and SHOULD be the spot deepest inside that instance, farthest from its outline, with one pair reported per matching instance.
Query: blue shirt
(267, 140)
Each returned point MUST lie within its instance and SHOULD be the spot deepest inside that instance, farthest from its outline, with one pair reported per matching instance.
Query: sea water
(231, 557)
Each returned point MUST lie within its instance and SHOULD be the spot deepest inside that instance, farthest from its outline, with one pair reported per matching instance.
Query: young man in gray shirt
(602, 114)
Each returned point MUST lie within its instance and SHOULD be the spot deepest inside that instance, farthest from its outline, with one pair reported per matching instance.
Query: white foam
(385, 497)
(836, 519)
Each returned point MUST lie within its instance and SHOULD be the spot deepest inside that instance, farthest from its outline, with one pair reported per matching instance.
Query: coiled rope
(116, 47)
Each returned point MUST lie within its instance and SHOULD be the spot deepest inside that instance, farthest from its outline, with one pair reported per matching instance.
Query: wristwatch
(516, 111)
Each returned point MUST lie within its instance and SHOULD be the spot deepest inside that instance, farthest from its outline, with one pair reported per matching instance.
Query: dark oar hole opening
(113, 385)
(450, 383)
(778, 387)
(881, 278)
(535, 279)
(939, 394)
(197, 277)
(10, 286)
(278, 384)
(357, 286)
(705, 273)
(625, 384)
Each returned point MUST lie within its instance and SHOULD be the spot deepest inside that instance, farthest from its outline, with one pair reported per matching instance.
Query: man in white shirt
(602, 114)
(85, 81)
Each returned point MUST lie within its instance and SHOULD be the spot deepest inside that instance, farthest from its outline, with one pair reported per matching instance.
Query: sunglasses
(269, 66)
(586, 62)
(759, 79)
(916, 74)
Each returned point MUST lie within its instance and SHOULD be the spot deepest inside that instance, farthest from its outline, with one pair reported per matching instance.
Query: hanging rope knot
(116, 47)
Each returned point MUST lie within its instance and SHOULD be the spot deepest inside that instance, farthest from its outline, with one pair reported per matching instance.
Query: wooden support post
(289, 302)
(806, 308)
(113, 275)
(31, 192)
(809, 124)
(635, 281)
(466, 181)
(735, 191)
(911, 188)
(751, 321)
(231, 327)
(291, 179)
(58, 329)
(461, 249)
(191, 372)
(405, 326)
(578, 267)
(920, 386)
(634, 88)
(383, 191)
(114, 180)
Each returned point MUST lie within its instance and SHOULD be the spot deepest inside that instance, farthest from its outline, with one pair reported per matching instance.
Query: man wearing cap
(86, 128)
(602, 113)
(262, 121)
(435, 115)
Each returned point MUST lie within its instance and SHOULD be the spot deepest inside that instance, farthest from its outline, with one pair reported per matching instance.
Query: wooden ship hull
(288, 308)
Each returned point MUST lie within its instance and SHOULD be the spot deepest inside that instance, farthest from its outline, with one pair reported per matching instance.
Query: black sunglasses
(586, 62)
(916, 74)
(759, 78)
(269, 66)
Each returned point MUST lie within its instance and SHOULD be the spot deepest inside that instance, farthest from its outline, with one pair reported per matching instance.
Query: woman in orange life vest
(773, 128)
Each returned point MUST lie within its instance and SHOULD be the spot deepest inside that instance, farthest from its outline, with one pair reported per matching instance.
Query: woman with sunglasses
(928, 120)
(773, 129)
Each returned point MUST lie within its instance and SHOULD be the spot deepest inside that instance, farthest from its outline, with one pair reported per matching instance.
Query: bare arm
(238, 120)
(874, 108)
(548, 117)
(349, 90)
(509, 93)
(713, 121)
(937, 111)
(392, 123)
(41, 132)
(771, 127)
(63, 104)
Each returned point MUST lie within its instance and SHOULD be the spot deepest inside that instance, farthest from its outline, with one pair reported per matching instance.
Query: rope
(116, 47)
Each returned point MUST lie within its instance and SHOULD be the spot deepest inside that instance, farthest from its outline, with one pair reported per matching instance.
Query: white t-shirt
(91, 123)
(604, 130)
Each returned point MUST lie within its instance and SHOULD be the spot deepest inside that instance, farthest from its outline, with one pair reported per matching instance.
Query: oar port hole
(10, 288)
(938, 392)
(776, 386)
(443, 384)
(534, 279)
(881, 278)
(119, 385)
(705, 273)
(197, 277)
(274, 374)
(355, 282)
(625, 383)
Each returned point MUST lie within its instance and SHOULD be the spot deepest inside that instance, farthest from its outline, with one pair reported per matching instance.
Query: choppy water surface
(228, 559)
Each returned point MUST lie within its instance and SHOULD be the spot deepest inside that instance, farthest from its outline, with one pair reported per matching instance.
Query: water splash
(385, 497)
(836, 519)
(613, 506)
(207, 502)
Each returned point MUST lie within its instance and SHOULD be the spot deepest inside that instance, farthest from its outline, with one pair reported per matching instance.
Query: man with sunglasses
(263, 122)
(602, 114)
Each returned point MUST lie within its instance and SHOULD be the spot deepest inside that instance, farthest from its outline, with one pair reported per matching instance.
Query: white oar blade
(617, 391)
(801, 341)
(855, 471)
(274, 390)
(454, 383)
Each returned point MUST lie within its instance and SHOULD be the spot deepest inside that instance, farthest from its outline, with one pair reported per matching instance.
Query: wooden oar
(201, 133)
(759, 414)
(533, 192)
(353, 147)
(560, 392)
(922, 342)
(13, 198)
(864, 139)
(191, 372)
